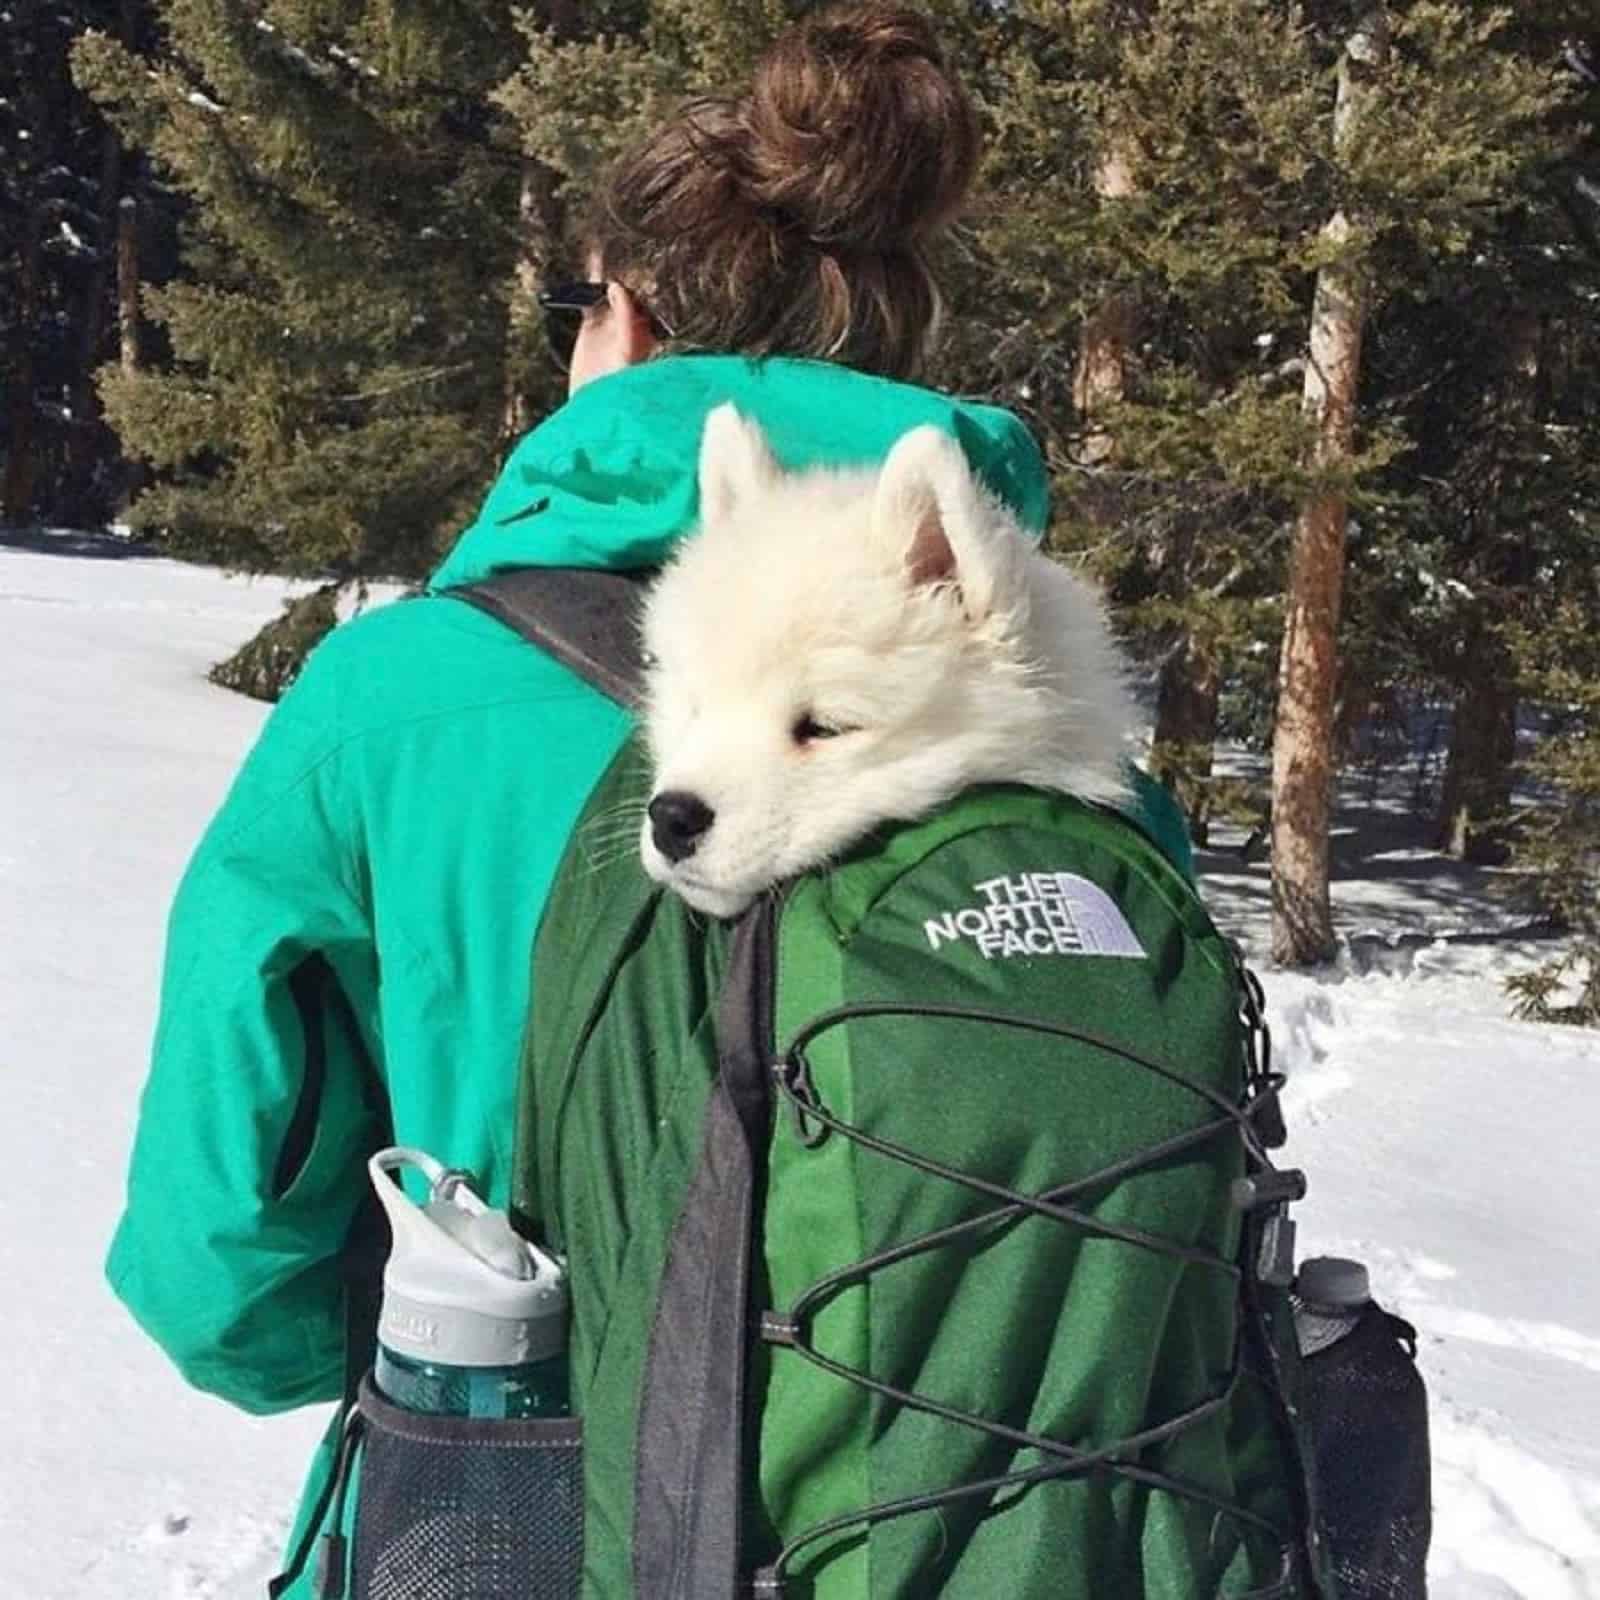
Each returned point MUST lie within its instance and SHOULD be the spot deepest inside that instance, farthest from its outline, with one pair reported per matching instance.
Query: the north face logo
(1038, 914)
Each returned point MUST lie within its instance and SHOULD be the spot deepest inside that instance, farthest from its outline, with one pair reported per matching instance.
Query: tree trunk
(1475, 802)
(1100, 378)
(129, 354)
(1183, 746)
(540, 222)
(1476, 799)
(16, 491)
(78, 501)
(1303, 738)
(128, 285)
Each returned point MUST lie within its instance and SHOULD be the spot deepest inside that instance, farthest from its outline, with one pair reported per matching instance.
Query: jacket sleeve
(247, 1167)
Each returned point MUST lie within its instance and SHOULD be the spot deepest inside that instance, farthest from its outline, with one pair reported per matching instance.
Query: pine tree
(1152, 194)
(1481, 569)
(1303, 756)
(582, 95)
(1559, 845)
(1519, 456)
(338, 336)
(63, 173)
(1450, 141)
(377, 191)
(1221, 115)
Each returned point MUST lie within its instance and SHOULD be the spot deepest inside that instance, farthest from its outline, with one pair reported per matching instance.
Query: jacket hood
(610, 479)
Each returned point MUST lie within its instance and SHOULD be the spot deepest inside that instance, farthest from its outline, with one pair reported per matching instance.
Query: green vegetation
(344, 210)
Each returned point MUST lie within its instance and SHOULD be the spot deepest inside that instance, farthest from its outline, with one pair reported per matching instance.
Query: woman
(348, 953)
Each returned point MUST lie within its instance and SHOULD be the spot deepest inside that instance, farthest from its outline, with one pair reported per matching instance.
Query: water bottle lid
(1333, 1283)
(461, 1287)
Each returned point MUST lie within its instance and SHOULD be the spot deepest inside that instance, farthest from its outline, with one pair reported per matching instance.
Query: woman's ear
(636, 339)
(610, 337)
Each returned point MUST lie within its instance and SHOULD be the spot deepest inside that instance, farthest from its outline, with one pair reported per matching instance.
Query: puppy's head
(833, 650)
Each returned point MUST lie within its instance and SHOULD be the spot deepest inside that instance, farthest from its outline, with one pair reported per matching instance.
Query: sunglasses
(564, 304)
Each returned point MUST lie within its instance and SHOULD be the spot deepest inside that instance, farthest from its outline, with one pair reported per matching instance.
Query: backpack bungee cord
(1265, 1251)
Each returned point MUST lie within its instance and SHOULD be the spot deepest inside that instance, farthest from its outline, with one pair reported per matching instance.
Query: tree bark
(16, 490)
(1100, 377)
(129, 352)
(1476, 798)
(77, 501)
(128, 285)
(538, 225)
(1183, 744)
(1475, 801)
(540, 222)
(1187, 687)
(1303, 737)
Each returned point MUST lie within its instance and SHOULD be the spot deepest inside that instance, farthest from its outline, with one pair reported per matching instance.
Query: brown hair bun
(795, 220)
(859, 132)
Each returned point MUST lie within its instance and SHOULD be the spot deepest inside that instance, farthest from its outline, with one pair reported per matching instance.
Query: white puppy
(835, 649)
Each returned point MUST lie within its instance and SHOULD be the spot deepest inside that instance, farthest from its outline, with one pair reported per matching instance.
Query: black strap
(366, 1248)
(360, 1342)
(689, 1470)
(586, 618)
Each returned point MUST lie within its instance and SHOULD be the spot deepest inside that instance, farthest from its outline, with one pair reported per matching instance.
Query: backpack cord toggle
(793, 1073)
(1271, 1192)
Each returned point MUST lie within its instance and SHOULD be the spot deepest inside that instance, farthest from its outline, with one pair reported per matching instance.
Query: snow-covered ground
(1452, 1149)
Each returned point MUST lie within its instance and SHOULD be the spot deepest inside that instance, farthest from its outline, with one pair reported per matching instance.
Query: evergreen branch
(1225, 584)
(416, 380)
(1565, 189)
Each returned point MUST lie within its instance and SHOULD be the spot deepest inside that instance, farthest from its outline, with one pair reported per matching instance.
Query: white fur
(904, 607)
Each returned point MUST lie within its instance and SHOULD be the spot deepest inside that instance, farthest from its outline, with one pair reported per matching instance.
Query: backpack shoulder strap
(588, 619)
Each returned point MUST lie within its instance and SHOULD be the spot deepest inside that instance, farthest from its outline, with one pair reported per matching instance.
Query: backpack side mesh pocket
(458, 1508)
(1368, 1410)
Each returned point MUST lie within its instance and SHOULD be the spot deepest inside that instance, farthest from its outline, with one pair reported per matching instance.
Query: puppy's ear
(736, 462)
(930, 510)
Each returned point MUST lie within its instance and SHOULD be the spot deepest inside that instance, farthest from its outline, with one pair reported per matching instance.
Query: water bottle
(1366, 1406)
(474, 1317)
(1330, 1293)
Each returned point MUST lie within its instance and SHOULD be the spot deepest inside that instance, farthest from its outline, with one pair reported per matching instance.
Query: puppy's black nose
(677, 820)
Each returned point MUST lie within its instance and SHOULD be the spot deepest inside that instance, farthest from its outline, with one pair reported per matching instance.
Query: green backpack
(922, 1234)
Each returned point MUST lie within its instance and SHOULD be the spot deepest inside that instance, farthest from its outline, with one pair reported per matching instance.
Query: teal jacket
(398, 825)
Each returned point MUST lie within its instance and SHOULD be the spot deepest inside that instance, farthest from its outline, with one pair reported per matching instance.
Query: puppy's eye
(806, 729)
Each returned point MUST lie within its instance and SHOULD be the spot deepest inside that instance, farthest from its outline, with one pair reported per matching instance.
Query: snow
(1453, 1151)
(1449, 1147)
(121, 1482)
